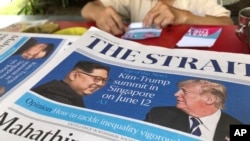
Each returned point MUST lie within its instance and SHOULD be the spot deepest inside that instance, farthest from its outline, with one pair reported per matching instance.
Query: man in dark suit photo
(197, 111)
(32, 49)
(85, 78)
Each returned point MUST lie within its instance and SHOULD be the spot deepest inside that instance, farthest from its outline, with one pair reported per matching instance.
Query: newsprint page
(22, 55)
(104, 88)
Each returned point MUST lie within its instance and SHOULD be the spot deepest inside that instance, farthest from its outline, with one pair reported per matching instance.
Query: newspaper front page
(142, 85)
(23, 54)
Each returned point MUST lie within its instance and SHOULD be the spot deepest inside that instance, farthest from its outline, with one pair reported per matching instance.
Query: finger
(160, 21)
(165, 23)
(152, 14)
(149, 19)
(163, 19)
(107, 21)
(114, 22)
(113, 27)
(109, 25)
(118, 21)
(104, 27)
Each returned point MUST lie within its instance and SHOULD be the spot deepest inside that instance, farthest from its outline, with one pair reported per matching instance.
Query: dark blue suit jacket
(176, 119)
(60, 92)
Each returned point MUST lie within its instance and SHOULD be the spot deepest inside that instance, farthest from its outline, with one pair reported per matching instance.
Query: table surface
(227, 41)
(6, 20)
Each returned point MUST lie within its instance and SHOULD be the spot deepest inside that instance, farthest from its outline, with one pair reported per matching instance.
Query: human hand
(162, 15)
(110, 21)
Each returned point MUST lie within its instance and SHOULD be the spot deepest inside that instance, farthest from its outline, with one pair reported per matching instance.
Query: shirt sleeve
(202, 7)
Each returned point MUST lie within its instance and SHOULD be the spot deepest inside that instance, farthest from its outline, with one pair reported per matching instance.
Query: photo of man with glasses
(84, 79)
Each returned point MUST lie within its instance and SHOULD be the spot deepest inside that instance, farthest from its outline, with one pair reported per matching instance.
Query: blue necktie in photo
(195, 130)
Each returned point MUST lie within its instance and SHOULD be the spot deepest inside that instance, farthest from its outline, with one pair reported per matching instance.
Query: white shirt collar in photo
(208, 125)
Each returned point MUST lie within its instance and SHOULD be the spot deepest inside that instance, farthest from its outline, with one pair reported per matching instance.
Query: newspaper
(23, 54)
(140, 78)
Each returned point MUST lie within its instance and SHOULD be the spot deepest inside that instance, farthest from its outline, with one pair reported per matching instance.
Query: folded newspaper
(105, 88)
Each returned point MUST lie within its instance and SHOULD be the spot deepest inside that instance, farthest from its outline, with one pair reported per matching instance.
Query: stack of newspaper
(122, 101)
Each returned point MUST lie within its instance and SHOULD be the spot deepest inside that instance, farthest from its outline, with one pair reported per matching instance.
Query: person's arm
(163, 15)
(106, 18)
(188, 18)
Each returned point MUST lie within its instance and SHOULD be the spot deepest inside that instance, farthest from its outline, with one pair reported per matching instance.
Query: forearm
(190, 18)
(91, 9)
